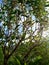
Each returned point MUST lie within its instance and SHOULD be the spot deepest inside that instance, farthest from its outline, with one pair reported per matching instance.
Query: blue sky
(0, 1)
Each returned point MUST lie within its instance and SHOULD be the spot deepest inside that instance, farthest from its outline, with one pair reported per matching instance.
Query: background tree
(16, 22)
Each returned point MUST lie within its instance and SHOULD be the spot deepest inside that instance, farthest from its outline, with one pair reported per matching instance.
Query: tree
(16, 22)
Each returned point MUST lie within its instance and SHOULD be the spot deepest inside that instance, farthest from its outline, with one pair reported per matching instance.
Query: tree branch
(17, 45)
(15, 48)
(30, 49)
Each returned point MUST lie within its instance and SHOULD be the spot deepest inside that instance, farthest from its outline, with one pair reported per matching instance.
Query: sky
(0, 1)
(45, 32)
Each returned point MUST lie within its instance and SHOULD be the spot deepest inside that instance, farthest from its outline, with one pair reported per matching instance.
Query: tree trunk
(5, 61)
